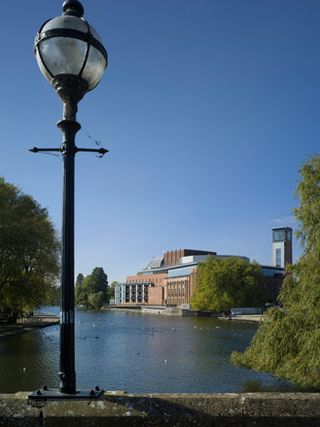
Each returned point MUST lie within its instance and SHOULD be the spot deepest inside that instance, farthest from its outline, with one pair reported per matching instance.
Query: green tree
(79, 279)
(93, 284)
(29, 251)
(222, 283)
(81, 295)
(54, 297)
(287, 343)
(96, 300)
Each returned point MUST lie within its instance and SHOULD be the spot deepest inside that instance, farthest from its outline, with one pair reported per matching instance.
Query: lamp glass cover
(63, 55)
(94, 68)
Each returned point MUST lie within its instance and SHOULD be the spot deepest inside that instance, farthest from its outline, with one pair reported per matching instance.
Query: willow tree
(222, 283)
(29, 252)
(287, 344)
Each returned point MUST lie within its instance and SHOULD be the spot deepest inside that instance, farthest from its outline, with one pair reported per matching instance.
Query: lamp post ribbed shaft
(67, 327)
(71, 90)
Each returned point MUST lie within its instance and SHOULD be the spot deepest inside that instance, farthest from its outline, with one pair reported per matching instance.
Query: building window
(278, 257)
(279, 235)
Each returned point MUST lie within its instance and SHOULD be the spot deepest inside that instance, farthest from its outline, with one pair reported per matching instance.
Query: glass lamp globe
(68, 47)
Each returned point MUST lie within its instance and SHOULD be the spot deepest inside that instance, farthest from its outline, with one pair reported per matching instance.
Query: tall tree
(79, 279)
(287, 343)
(92, 292)
(97, 281)
(29, 251)
(222, 283)
(81, 297)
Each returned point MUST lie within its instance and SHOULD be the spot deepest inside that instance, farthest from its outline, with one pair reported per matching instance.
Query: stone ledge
(118, 409)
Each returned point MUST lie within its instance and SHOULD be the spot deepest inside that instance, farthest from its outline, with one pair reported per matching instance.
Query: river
(138, 353)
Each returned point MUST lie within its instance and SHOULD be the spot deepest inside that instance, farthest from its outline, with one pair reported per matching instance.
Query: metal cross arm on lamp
(71, 56)
(101, 151)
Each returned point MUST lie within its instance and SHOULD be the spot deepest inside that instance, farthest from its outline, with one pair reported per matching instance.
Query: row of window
(176, 292)
(176, 300)
(178, 282)
(132, 295)
(151, 281)
(133, 289)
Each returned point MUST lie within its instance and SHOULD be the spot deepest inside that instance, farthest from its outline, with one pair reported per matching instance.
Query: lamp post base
(46, 393)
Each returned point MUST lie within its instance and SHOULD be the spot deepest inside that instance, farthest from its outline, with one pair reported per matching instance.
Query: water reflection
(137, 353)
(29, 360)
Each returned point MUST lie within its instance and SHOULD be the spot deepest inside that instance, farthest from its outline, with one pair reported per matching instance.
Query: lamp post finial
(73, 7)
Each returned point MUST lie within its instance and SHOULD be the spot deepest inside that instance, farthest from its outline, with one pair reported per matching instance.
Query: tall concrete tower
(281, 246)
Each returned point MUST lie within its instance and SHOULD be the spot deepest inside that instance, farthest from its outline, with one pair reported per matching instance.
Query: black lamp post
(72, 58)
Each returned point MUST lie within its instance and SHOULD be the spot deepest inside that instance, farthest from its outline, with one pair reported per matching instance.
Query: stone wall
(229, 410)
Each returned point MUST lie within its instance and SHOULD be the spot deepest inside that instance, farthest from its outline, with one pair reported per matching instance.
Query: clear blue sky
(208, 108)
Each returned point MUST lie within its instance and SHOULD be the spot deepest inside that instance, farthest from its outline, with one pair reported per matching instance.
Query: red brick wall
(173, 257)
(156, 295)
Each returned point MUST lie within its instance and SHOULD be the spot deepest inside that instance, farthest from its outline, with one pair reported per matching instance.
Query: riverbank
(27, 324)
(184, 312)
(245, 318)
(161, 310)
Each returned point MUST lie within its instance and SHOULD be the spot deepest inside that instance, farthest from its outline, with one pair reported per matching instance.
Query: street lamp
(72, 58)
